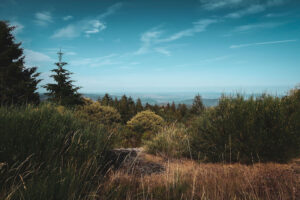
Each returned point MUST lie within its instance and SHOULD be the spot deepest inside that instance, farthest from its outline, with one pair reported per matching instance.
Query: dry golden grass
(186, 179)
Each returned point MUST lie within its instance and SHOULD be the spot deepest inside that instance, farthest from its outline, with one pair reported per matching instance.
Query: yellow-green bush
(145, 123)
(96, 113)
(171, 141)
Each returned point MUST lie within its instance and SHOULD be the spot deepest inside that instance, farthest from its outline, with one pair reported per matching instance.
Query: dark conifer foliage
(18, 84)
(63, 92)
(139, 106)
(197, 107)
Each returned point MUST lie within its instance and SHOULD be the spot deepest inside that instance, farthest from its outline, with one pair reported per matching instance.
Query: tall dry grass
(47, 153)
(189, 180)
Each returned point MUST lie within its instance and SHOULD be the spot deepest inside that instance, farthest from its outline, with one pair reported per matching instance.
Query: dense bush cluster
(96, 113)
(145, 124)
(248, 130)
(128, 108)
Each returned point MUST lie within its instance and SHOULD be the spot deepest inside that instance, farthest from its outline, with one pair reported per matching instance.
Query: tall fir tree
(124, 109)
(139, 106)
(63, 92)
(198, 106)
(18, 84)
(106, 100)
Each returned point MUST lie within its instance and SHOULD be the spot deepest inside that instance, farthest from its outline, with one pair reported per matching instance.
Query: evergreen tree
(148, 106)
(131, 107)
(139, 106)
(123, 109)
(198, 106)
(182, 111)
(116, 104)
(63, 91)
(106, 100)
(173, 108)
(18, 84)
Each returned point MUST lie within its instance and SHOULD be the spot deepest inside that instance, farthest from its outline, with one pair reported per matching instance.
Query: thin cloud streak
(67, 18)
(199, 26)
(97, 61)
(163, 51)
(111, 10)
(86, 27)
(212, 5)
(34, 58)
(261, 43)
(250, 10)
(43, 18)
(153, 37)
(243, 7)
(249, 27)
(219, 4)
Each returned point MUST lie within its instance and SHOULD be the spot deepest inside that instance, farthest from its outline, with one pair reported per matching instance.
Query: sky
(162, 45)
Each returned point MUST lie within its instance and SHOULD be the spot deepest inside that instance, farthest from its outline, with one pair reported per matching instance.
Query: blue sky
(163, 45)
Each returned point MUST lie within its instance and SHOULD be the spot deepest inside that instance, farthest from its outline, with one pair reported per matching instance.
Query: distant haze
(186, 97)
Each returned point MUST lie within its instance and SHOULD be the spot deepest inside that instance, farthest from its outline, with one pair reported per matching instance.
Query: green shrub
(49, 154)
(171, 141)
(127, 138)
(245, 130)
(96, 113)
(292, 112)
(145, 123)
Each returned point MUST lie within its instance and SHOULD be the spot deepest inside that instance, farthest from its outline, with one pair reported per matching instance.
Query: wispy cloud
(97, 61)
(253, 9)
(274, 15)
(244, 4)
(150, 39)
(262, 43)
(111, 10)
(35, 58)
(198, 26)
(242, 7)
(67, 18)
(249, 27)
(163, 51)
(43, 18)
(18, 27)
(218, 4)
(86, 27)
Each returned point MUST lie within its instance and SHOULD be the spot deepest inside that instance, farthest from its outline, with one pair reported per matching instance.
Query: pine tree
(116, 104)
(18, 84)
(106, 100)
(123, 109)
(63, 92)
(197, 107)
(131, 107)
(139, 106)
(182, 111)
(173, 107)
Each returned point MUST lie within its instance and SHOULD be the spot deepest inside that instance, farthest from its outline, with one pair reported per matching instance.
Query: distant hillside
(160, 99)
(209, 98)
